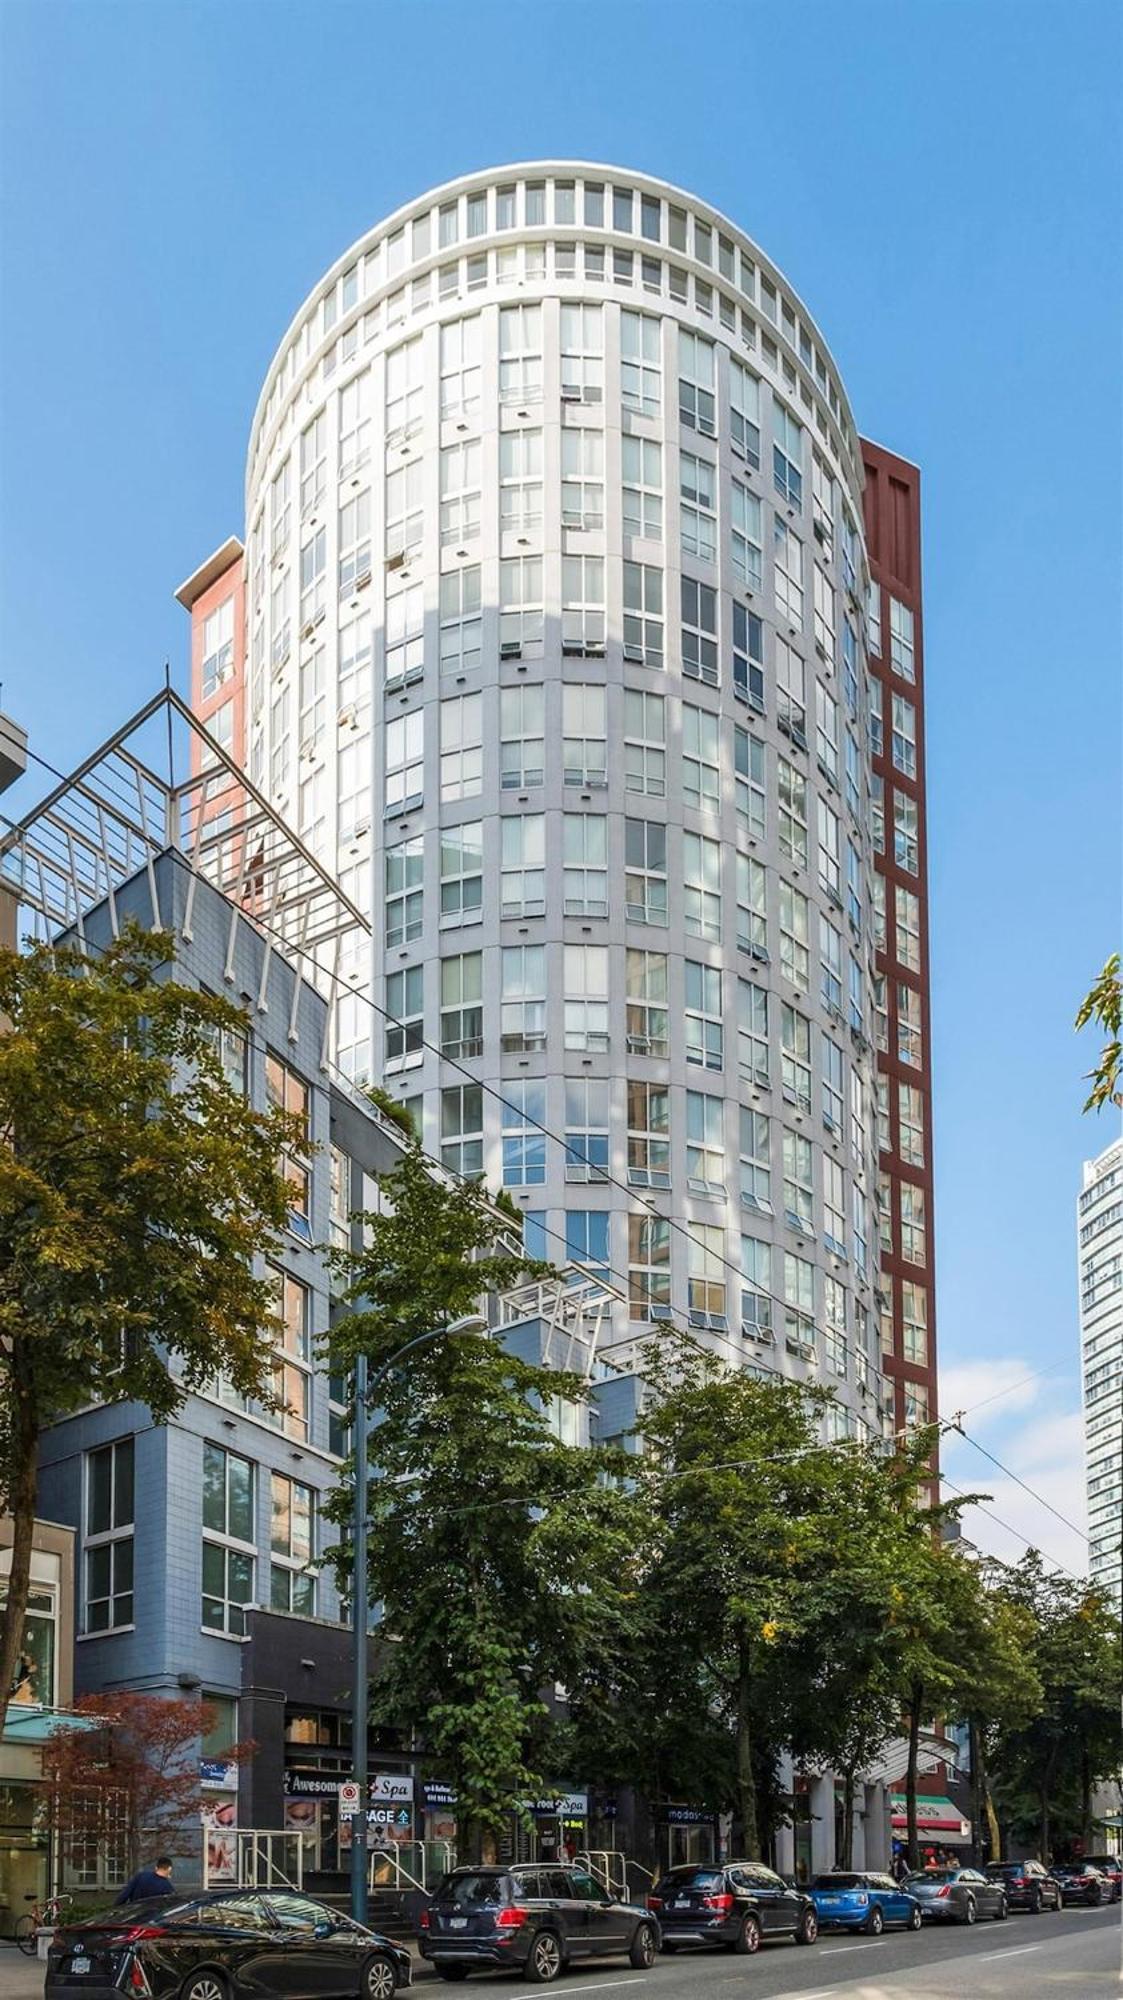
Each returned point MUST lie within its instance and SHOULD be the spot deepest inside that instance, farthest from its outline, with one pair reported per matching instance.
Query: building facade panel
(1100, 1260)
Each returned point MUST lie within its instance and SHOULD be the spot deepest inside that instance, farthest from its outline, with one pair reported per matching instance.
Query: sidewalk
(20, 1978)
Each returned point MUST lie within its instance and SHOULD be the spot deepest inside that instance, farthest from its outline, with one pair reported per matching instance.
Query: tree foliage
(136, 1188)
(1104, 1006)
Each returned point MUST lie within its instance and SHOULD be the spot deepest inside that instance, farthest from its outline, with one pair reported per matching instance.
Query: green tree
(136, 1188)
(1104, 1006)
(496, 1550)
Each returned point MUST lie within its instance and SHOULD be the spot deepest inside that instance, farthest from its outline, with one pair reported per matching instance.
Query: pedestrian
(900, 1865)
(148, 1883)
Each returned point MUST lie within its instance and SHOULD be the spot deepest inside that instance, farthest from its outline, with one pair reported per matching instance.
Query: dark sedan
(234, 1944)
(956, 1895)
(1111, 1869)
(539, 1918)
(1028, 1885)
(739, 1905)
(1080, 1882)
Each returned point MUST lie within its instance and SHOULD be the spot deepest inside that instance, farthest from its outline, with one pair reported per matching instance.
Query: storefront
(939, 1825)
(685, 1835)
(43, 1686)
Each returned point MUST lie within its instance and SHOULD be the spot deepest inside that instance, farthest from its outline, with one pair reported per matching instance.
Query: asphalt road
(1072, 1956)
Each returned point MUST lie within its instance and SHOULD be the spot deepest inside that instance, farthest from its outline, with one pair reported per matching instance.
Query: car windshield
(471, 1888)
(1103, 1861)
(837, 1882)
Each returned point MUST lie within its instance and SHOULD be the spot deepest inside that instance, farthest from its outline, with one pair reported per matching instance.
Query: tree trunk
(916, 1696)
(976, 1793)
(24, 1492)
(1043, 1824)
(984, 1802)
(1085, 1800)
(846, 1857)
(746, 1781)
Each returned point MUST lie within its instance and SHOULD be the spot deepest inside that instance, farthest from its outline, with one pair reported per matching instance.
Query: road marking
(601, 1986)
(1016, 1951)
(833, 1950)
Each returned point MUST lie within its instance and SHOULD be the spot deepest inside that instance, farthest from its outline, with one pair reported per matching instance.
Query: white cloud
(1048, 1453)
(1001, 1385)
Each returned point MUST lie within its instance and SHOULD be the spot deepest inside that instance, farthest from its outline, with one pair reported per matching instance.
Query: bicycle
(41, 1916)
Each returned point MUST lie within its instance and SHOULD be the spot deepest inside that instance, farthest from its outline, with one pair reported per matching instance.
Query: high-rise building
(559, 648)
(1100, 1254)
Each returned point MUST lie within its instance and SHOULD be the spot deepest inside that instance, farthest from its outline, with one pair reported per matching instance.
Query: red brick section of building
(908, 1328)
(215, 597)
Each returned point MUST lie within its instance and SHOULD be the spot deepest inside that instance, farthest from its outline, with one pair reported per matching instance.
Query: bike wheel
(26, 1939)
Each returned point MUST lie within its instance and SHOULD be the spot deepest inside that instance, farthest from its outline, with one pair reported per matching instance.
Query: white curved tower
(555, 640)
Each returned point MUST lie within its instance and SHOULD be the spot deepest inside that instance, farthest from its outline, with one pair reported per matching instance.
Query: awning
(933, 1816)
(27, 1723)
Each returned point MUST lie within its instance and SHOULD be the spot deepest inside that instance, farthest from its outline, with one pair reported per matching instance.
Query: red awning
(932, 1816)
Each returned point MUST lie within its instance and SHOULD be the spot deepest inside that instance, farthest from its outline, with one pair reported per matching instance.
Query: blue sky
(941, 184)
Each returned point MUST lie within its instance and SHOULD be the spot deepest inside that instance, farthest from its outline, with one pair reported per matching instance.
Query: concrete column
(822, 1824)
(878, 1840)
(859, 1845)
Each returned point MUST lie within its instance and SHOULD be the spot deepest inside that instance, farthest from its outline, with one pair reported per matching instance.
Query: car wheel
(204, 1986)
(1035, 1905)
(809, 1928)
(875, 1922)
(1001, 1912)
(545, 1960)
(644, 1949)
(970, 1913)
(915, 1919)
(380, 1980)
(747, 1940)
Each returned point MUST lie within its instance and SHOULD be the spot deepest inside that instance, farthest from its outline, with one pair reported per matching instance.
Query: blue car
(862, 1902)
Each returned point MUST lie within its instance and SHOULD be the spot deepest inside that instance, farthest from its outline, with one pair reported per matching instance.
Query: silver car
(956, 1895)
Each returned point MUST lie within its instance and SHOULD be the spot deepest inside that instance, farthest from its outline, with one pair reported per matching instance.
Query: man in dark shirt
(149, 1882)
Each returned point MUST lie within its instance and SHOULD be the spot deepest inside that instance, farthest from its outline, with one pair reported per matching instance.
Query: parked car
(540, 1917)
(956, 1895)
(740, 1905)
(1111, 1868)
(863, 1902)
(224, 1945)
(1081, 1882)
(1028, 1885)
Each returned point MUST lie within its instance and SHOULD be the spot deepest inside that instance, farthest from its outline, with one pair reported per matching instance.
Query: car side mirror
(324, 1929)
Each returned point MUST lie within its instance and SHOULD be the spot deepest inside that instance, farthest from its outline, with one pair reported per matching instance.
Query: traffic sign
(348, 1800)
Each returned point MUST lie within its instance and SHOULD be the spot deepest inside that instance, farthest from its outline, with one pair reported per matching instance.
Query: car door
(571, 1912)
(238, 1933)
(778, 1905)
(604, 1920)
(311, 1967)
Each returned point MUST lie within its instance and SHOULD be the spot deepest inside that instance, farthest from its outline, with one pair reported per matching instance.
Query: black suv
(540, 1917)
(1028, 1885)
(739, 1905)
(1111, 1870)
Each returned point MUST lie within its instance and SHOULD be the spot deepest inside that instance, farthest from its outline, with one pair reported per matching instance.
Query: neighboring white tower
(556, 608)
(1100, 1253)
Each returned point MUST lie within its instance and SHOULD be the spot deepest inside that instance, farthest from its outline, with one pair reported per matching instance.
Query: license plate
(832, 1902)
(458, 1923)
(683, 1903)
(79, 1965)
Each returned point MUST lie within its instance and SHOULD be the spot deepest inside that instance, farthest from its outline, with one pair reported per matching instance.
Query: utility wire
(1033, 1494)
(1018, 1536)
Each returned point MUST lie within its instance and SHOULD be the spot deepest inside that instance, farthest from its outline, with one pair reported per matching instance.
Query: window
(748, 781)
(705, 1143)
(641, 365)
(218, 647)
(744, 413)
(354, 545)
(462, 1124)
(404, 514)
(701, 867)
(645, 757)
(643, 614)
(756, 1298)
(798, 1188)
(701, 753)
(873, 617)
(584, 747)
(460, 370)
(877, 812)
(792, 791)
(914, 1326)
(460, 620)
(524, 1142)
(853, 777)
(649, 1134)
(314, 464)
(355, 663)
(795, 1068)
(405, 637)
(834, 1206)
(565, 202)
(906, 825)
(834, 1317)
(523, 996)
(910, 1114)
(286, 1091)
(704, 1031)
(643, 487)
(904, 736)
(109, 1537)
(794, 932)
(460, 493)
(461, 748)
(313, 564)
(706, 1273)
(699, 631)
(405, 1004)
(462, 873)
(586, 1128)
(228, 1540)
(586, 996)
(832, 1082)
(462, 1018)
(280, 509)
(799, 1301)
(520, 606)
(752, 910)
(582, 604)
(292, 1546)
(914, 1223)
(748, 656)
(645, 879)
(649, 1267)
(906, 908)
(830, 957)
(582, 354)
(405, 875)
(697, 407)
(787, 454)
(748, 554)
(586, 1244)
(522, 881)
(830, 857)
(824, 613)
(405, 392)
(585, 875)
(902, 648)
(752, 1033)
(787, 553)
(876, 718)
(885, 1215)
(850, 668)
(646, 1000)
(354, 426)
(582, 496)
(756, 1160)
(822, 491)
(520, 483)
(859, 1228)
(404, 783)
(698, 509)
(522, 737)
(520, 355)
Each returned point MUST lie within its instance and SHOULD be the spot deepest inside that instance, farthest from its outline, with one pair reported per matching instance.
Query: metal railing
(410, 1864)
(264, 1858)
(609, 1867)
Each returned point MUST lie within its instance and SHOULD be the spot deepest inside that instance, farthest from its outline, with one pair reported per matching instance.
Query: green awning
(933, 1815)
(24, 1722)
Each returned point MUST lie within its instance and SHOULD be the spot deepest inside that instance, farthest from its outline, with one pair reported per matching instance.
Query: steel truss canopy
(163, 781)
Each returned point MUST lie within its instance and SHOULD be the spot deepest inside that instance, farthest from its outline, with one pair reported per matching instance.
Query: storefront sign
(314, 1784)
(437, 1797)
(395, 1816)
(566, 1805)
(391, 1787)
(217, 1775)
(684, 1815)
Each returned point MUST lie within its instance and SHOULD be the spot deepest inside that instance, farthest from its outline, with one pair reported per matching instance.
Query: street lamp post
(365, 1384)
